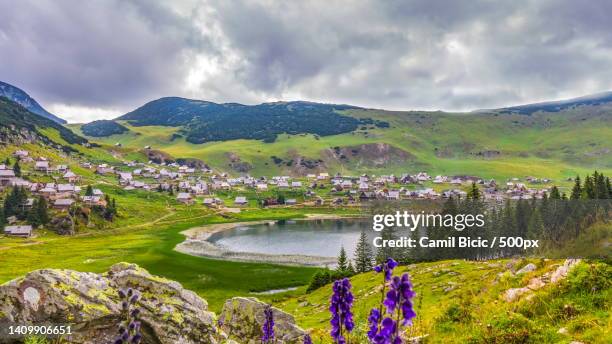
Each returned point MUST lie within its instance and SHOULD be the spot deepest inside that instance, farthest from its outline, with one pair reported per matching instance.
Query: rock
(535, 283)
(562, 330)
(90, 304)
(514, 293)
(563, 270)
(243, 317)
(527, 268)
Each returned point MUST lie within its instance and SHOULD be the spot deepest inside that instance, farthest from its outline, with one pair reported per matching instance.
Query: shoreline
(196, 244)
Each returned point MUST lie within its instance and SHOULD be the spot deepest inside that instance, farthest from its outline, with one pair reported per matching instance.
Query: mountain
(18, 124)
(19, 96)
(554, 140)
(203, 121)
(598, 99)
(103, 128)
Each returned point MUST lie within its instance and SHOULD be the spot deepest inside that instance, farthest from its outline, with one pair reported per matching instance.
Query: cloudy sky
(98, 59)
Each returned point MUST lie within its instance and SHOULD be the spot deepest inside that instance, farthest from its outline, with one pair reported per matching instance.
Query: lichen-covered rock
(527, 268)
(90, 304)
(242, 319)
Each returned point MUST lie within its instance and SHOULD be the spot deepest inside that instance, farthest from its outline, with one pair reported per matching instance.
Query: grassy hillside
(552, 145)
(461, 302)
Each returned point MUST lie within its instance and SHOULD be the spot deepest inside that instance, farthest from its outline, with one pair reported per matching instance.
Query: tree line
(554, 220)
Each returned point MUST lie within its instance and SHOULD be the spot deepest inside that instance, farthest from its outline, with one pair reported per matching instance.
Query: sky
(86, 60)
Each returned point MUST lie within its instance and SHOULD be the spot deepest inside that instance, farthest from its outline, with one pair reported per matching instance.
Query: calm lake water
(303, 237)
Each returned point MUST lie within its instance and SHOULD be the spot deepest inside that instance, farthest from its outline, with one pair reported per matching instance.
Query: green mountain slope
(22, 98)
(545, 144)
(19, 124)
(467, 302)
(206, 121)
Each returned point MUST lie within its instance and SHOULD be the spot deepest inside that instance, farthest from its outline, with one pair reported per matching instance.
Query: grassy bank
(151, 246)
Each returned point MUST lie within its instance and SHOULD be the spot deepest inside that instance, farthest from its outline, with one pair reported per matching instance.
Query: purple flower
(381, 332)
(307, 339)
(387, 267)
(340, 307)
(129, 329)
(268, 326)
(399, 297)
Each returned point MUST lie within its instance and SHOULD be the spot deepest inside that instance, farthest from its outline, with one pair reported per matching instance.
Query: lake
(321, 238)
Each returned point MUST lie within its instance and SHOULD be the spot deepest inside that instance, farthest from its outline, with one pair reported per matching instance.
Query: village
(62, 188)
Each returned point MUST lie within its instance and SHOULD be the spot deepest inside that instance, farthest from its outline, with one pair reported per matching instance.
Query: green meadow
(146, 233)
(554, 146)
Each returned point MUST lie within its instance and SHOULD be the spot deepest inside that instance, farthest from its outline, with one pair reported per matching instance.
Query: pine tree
(43, 212)
(7, 161)
(363, 254)
(554, 193)
(342, 260)
(577, 189)
(536, 225)
(601, 189)
(474, 192)
(17, 169)
(350, 269)
(280, 199)
(89, 191)
(588, 191)
(32, 216)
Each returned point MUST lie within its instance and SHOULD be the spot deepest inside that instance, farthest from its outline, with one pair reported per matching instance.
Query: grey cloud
(424, 54)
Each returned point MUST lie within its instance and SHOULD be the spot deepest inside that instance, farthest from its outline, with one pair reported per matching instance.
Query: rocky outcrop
(242, 319)
(536, 283)
(90, 303)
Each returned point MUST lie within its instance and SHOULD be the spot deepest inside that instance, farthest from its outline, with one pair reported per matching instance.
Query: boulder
(242, 319)
(90, 304)
(527, 268)
(563, 270)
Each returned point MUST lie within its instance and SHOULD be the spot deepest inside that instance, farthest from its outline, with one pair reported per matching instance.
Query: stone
(243, 317)
(527, 268)
(514, 293)
(90, 304)
(563, 270)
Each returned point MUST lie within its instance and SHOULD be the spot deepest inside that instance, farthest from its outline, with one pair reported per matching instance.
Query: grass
(460, 302)
(555, 146)
(147, 237)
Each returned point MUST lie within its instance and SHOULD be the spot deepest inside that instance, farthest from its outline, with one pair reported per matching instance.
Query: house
(323, 176)
(63, 203)
(104, 169)
(283, 184)
(347, 184)
(366, 196)
(94, 200)
(66, 190)
(296, 184)
(125, 178)
(24, 231)
(240, 200)
(209, 202)
(62, 168)
(291, 201)
(6, 177)
(42, 166)
(393, 195)
(184, 198)
(440, 179)
(262, 187)
(363, 186)
(21, 153)
(70, 176)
